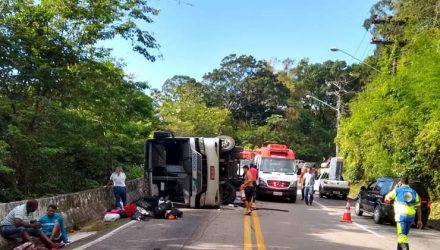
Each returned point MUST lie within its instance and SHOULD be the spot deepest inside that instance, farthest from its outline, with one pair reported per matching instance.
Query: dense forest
(69, 113)
(394, 126)
(258, 104)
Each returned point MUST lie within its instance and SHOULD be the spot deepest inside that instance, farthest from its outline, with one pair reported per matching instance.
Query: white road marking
(368, 230)
(354, 223)
(322, 206)
(80, 235)
(105, 236)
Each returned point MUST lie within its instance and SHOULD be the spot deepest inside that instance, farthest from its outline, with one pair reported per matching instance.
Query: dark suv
(371, 199)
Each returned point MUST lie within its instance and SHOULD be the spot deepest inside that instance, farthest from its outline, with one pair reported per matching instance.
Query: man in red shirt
(254, 173)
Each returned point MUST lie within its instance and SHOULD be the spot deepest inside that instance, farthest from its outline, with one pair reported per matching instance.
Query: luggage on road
(130, 209)
(140, 214)
(111, 217)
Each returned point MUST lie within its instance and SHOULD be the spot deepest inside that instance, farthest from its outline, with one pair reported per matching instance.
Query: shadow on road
(262, 208)
(271, 209)
(311, 227)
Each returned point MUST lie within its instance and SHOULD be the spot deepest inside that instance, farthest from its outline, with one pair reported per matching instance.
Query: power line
(367, 51)
(359, 46)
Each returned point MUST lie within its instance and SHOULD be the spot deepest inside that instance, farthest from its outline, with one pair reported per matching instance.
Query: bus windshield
(280, 165)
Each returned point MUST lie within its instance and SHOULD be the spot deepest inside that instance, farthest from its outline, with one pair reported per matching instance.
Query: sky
(195, 35)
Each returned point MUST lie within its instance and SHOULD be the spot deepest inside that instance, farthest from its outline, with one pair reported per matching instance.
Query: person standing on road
(119, 189)
(248, 189)
(308, 183)
(406, 201)
(301, 180)
(254, 173)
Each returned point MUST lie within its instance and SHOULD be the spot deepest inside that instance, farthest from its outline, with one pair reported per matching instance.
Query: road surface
(275, 225)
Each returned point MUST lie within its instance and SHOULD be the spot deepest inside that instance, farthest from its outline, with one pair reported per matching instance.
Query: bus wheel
(228, 193)
(227, 143)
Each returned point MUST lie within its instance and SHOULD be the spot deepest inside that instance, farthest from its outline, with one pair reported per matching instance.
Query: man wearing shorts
(20, 223)
(254, 171)
(248, 189)
(53, 225)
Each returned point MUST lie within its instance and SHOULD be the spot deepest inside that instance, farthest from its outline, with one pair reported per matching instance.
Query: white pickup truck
(328, 188)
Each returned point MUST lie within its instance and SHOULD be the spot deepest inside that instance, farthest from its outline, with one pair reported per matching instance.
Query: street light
(338, 116)
(334, 49)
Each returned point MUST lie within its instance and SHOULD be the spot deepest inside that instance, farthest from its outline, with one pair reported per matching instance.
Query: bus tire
(228, 193)
(227, 143)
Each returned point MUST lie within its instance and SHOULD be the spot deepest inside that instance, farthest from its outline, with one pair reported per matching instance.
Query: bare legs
(56, 232)
(248, 206)
(26, 237)
(48, 242)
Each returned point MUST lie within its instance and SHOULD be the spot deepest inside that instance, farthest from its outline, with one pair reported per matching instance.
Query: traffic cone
(347, 214)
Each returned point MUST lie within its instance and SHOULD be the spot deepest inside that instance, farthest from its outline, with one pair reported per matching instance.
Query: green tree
(393, 129)
(184, 111)
(247, 88)
(68, 113)
(310, 127)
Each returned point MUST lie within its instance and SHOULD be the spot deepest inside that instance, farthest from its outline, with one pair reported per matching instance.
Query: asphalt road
(276, 224)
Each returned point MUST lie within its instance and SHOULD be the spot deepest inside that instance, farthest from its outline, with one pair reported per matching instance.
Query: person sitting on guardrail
(53, 225)
(20, 223)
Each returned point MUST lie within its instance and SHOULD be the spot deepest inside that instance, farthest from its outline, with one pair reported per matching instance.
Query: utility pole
(386, 21)
(394, 66)
(339, 93)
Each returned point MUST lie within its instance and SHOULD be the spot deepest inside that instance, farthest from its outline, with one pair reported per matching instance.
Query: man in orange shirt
(248, 189)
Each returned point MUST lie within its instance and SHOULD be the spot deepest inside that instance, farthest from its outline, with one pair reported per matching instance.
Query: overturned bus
(193, 171)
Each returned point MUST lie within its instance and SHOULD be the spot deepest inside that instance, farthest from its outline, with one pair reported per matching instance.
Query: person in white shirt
(308, 183)
(119, 189)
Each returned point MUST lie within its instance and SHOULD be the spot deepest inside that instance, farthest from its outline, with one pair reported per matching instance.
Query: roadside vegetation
(394, 127)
